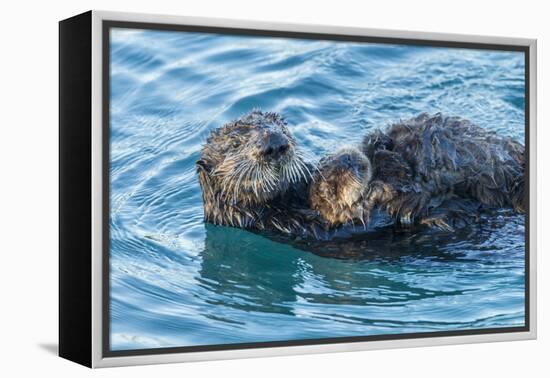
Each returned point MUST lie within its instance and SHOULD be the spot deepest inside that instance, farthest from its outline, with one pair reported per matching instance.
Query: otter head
(250, 161)
(339, 187)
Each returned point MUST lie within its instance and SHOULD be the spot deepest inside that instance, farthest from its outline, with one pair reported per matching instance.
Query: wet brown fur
(339, 186)
(421, 166)
(243, 188)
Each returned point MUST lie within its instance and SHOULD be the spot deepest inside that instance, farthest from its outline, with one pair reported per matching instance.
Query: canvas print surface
(270, 189)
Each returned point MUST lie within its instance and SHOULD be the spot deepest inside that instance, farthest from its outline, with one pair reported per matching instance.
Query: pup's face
(251, 160)
(338, 188)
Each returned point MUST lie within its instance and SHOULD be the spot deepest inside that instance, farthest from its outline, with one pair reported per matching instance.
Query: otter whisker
(271, 179)
(290, 172)
(237, 182)
(294, 172)
(227, 180)
(243, 172)
(227, 184)
(255, 181)
(287, 173)
(284, 171)
(267, 184)
(320, 173)
(299, 169)
(296, 162)
(305, 167)
(262, 180)
(227, 165)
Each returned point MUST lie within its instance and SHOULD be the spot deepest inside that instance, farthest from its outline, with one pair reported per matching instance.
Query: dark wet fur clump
(438, 157)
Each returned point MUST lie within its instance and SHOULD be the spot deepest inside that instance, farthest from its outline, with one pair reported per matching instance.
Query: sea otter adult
(433, 170)
(253, 175)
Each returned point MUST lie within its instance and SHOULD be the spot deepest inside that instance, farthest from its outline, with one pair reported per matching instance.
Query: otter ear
(203, 165)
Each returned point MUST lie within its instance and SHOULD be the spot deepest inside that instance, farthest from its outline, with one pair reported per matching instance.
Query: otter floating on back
(430, 170)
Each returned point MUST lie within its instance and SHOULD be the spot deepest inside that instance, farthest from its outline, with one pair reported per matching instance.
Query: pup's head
(339, 187)
(250, 161)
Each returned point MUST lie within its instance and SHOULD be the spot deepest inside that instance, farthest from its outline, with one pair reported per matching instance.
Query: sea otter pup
(252, 175)
(431, 170)
(340, 186)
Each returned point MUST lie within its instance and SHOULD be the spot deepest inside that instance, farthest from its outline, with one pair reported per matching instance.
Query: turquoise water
(178, 282)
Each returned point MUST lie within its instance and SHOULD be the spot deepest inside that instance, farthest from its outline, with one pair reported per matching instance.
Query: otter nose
(274, 144)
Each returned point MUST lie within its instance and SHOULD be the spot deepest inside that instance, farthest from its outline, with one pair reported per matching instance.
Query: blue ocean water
(176, 281)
